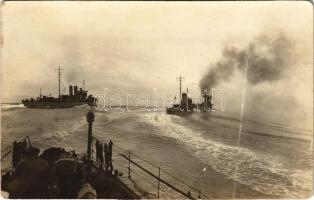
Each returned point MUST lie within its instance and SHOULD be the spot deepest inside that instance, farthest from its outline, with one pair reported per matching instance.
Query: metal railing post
(158, 181)
(129, 165)
(188, 195)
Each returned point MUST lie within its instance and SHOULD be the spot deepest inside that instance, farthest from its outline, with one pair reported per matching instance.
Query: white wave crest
(262, 175)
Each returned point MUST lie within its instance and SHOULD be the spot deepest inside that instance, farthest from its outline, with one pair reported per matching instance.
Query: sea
(202, 151)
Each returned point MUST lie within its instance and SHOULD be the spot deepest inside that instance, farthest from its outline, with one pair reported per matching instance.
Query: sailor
(15, 155)
(106, 156)
(101, 155)
(110, 155)
(97, 151)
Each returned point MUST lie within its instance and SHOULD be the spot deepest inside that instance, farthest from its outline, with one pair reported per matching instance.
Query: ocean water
(271, 160)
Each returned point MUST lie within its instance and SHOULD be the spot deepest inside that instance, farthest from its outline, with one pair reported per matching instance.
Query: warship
(76, 97)
(186, 105)
(56, 173)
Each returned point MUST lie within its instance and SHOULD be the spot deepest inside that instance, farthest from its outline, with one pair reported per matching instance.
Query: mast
(180, 79)
(59, 71)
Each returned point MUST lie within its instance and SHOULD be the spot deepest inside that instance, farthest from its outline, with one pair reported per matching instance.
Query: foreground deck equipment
(57, 173)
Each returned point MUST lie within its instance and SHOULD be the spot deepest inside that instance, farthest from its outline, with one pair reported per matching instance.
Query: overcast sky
(137, 46)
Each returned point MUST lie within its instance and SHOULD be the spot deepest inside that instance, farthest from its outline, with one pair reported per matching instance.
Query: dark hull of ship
(52, 105)
(174, 111)
(67, 176)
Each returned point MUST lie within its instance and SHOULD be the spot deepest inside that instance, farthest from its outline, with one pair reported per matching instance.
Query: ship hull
(172, 111)
(52, 105)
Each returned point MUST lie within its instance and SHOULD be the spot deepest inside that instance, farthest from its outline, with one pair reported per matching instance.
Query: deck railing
(151, 178)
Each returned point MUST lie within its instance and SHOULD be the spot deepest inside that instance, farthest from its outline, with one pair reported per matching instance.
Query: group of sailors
(104, 155)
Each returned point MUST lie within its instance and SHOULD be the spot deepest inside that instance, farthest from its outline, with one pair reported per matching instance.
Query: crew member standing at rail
(106, 156)
(97, 151)
(101, 155)
(110, 155)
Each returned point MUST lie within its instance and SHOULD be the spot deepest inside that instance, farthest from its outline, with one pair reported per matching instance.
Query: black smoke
(268, 59)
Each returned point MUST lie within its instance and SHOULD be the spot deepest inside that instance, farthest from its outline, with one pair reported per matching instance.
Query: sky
(133, 47)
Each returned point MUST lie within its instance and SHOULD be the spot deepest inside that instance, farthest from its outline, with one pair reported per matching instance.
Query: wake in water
(278, 166)
(11, 106)
(264, 175)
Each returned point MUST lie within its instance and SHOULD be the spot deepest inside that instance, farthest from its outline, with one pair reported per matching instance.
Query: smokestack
(71, 90)
(205, 99)
(75, 90)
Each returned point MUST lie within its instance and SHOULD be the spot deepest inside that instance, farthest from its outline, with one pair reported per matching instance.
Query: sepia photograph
(156, 99)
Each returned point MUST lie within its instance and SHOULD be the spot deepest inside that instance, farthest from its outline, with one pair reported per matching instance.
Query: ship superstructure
(186, 105)
(207, 102)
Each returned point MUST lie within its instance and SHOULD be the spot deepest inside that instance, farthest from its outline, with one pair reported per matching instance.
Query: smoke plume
(268, 59)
